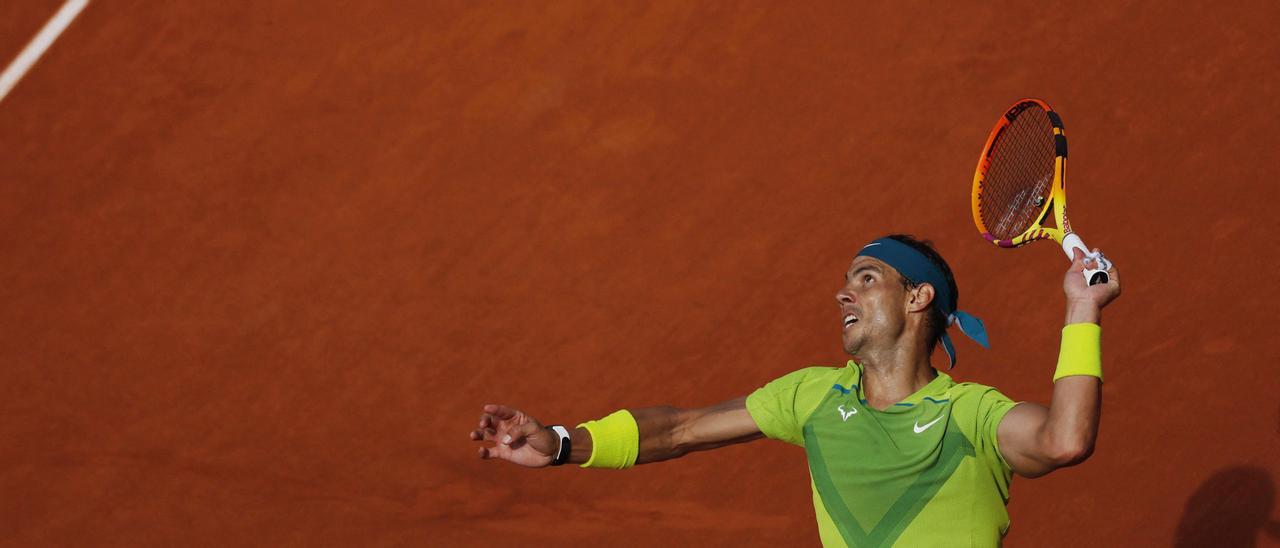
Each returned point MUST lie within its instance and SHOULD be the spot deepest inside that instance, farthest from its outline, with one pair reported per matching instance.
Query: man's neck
(890, 377)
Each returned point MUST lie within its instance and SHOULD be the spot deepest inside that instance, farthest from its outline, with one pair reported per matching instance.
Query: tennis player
(899, 453)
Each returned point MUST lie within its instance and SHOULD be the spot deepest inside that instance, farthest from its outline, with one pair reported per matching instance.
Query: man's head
(880, 304)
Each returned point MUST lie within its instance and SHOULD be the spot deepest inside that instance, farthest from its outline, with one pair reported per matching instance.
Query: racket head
(1020, 177)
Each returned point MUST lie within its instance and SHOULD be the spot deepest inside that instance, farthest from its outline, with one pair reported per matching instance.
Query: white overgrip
(1070, 243)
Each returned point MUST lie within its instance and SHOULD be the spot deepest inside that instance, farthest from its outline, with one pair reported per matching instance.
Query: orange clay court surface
(260, 266)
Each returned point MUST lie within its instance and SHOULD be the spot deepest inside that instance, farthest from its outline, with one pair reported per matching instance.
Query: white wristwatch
(562, 454)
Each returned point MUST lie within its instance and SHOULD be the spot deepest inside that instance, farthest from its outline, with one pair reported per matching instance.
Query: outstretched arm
(1036, 440)
(665, 433)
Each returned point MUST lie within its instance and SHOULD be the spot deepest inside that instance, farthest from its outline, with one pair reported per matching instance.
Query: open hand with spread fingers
(518, 437)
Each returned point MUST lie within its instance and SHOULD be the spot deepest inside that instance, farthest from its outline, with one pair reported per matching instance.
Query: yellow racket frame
(1061, 231)
(1057, 197)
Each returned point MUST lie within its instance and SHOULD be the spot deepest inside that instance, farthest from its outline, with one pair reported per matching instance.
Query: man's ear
(921, 298)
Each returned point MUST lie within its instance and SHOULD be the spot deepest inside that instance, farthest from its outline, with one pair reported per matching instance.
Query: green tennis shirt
(924, 472)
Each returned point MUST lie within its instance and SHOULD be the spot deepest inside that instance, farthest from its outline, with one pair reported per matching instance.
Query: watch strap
(566, 445)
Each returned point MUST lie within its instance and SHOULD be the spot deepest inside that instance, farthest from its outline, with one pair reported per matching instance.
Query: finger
(488, 420)
(495, 452)
(1078, 259)
(486, 434)
(517, 435)
(1103, 261)
(500, 411)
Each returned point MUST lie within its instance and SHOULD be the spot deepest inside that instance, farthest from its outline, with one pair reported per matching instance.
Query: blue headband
(917, 269)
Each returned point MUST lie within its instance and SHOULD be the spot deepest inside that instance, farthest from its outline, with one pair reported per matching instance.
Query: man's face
(872, 311)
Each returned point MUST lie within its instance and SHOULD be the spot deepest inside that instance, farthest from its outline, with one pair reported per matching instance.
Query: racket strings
(1015, 177)
(1020, 175)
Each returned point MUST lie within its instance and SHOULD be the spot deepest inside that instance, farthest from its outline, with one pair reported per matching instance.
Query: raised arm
(665, 433)
(1036, 440)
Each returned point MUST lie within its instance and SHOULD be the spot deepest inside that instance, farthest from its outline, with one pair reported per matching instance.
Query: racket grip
(1070, 243)
(1092, 276)
(1095, 276)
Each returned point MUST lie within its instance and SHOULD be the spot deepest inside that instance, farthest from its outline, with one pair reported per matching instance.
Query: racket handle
(1070, 243)
(1092, 276)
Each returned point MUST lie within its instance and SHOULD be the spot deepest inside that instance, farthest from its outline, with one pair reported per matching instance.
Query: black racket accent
(1055, 119)
(1060, 144)
(1019, 179)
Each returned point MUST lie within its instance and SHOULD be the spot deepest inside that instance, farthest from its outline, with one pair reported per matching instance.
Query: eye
(867, 278)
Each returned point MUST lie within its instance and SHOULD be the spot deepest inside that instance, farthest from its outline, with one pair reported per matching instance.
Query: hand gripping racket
(1021, 180)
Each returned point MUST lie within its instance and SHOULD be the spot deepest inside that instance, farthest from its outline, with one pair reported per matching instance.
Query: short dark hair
(936, 322)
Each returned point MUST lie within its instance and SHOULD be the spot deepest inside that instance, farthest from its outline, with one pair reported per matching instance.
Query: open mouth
(849, 319)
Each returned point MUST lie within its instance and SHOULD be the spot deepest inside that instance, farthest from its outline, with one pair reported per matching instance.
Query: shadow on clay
(1230, 509)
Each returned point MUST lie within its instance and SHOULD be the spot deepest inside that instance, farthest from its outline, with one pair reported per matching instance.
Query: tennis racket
(1021, 181)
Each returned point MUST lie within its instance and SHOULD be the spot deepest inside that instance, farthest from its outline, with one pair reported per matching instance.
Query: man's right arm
(667, 432)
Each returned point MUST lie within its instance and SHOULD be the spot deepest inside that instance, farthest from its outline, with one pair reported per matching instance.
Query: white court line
(38, 45)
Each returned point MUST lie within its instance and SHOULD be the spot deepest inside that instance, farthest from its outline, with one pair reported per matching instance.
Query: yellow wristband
(615, 441)
(1081, 352)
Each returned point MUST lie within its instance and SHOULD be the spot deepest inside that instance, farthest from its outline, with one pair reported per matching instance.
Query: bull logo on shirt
(844, 415)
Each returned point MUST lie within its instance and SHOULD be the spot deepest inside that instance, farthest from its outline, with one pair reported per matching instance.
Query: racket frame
(1057, 201)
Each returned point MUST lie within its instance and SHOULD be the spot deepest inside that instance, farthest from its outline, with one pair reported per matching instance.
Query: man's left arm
(1035, 439)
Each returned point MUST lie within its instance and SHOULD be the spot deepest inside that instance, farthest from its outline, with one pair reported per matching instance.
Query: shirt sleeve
(992, 407)
(774, 406)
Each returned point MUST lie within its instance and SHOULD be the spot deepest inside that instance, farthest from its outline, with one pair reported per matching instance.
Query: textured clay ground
(261, 264)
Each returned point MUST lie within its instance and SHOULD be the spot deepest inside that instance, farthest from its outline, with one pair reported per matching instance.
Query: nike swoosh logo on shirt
(920, 429)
